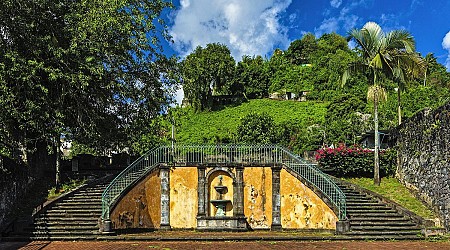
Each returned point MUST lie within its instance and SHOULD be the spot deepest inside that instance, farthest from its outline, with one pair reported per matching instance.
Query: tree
(256, 128)
(206, 72)
(300, 50)
(251, 78)
(380, 53)
(345, 119)
(90, 70)
(436, 73)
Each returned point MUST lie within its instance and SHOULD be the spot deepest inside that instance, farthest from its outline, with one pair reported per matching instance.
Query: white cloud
(335, 3)
(250, 27)
(446, 46)
(344, 21)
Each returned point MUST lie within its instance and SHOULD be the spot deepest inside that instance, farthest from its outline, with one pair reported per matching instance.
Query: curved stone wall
(298, 207)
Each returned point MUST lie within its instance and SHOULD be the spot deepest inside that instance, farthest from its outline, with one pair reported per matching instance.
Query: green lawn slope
(221, 125)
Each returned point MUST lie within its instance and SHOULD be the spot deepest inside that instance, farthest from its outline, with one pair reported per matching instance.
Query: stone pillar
(165, 197)
(239, 192)
(276, 198)
(342, 226)
(201, 190)
(75, 164)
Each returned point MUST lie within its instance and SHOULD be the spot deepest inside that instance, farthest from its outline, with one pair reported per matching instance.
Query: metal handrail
(223, 153)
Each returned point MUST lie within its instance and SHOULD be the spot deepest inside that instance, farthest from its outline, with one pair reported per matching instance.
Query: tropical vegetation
(94, 73)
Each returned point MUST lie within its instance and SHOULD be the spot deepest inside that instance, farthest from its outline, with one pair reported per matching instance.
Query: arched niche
(213, 179)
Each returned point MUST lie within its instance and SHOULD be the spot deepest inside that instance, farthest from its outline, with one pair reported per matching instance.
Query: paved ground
(291, 245)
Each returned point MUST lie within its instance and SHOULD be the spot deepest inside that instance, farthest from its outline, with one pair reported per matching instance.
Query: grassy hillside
(220, 126)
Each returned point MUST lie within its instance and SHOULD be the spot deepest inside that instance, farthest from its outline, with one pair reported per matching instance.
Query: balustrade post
(165, 197)
(276, 199)
(201, 190)
(239, 192)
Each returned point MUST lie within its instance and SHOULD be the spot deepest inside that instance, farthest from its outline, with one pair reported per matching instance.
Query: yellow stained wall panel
(141, 206)
(258, 196)
(183, 197)
(301, 208)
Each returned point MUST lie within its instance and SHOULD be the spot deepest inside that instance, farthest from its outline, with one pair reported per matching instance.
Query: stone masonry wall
(424, 150)
(14, 182)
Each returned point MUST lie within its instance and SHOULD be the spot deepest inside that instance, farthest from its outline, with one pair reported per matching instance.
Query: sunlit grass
(220, 125)
(65, 187)
(392, 189)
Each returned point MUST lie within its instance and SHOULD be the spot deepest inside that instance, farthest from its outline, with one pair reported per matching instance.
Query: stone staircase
(371, 218)
(73, 217)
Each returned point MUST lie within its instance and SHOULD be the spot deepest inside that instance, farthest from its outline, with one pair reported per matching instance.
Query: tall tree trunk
(58, 163)
(425, 78)
(376, 169)
(399, 107)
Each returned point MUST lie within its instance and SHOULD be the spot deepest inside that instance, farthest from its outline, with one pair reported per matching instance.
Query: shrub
(355, 161)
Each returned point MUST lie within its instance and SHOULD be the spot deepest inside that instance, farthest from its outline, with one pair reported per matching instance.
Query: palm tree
(408, 65)
(383, 55)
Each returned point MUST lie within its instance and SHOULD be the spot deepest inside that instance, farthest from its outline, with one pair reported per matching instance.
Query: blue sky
(257, 27)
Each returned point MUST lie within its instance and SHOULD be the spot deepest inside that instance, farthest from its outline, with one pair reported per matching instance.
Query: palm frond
(376, 92)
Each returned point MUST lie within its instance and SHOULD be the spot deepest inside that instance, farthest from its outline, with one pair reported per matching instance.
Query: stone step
(61, 228)
(68, 215)
(63, 233)
(380, 207)
(83, 200)
(81, 205)
(75, 210)
(372, 215)
(71, 206)
(91, 222)
(25, 238)
(385, 228)
(87, 195)
(359, 201)
(366, 211)
(385, 233)
(380, 219)
(66, 220)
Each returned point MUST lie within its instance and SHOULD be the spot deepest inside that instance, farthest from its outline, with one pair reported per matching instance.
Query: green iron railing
(237, 154)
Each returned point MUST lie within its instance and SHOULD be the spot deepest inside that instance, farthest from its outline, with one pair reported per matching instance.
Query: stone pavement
(217, 245)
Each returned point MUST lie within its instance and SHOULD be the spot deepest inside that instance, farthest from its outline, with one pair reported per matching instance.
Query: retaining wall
(423, 142)
(14, 183)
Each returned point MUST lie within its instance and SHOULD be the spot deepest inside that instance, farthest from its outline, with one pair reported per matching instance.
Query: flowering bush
(355, 161)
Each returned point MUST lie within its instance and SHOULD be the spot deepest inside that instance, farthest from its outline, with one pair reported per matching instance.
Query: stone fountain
(219, 218)
(220, 203)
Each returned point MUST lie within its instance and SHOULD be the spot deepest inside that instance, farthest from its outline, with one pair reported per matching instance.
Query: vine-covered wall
(424, 158)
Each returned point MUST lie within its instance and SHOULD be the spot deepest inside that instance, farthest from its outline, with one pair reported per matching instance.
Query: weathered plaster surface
(213, 195)
(183, 197)
(258, 196)
(301, 208)
(140, 207)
